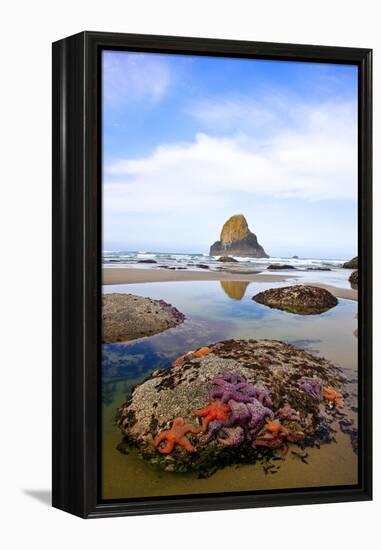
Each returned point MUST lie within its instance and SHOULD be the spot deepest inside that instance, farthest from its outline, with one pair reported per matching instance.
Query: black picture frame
(77, 271)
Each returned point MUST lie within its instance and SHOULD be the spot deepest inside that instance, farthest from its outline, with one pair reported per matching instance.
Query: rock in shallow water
(235, 402)
(126, 317)
(301, 299)
(354, 278)
(280, 266)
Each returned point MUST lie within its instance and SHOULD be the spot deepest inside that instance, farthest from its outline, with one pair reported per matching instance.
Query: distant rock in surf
(227, 259)
(280, 266)
(147, 262)
(237, 240)
(352, 264)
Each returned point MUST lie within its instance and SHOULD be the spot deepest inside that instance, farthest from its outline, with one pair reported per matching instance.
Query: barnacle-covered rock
(127, 317)
(302, 299)
(244, 389)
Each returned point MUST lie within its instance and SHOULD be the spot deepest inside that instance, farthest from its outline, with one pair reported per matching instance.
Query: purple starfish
(232, 437)
(233, 377)
(239, 416)
(313, 386)
(259, 415)
(229, 390)
(258, 391)
(250, 416)
(287, 413)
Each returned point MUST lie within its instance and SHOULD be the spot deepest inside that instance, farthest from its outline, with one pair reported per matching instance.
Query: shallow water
(218, 311)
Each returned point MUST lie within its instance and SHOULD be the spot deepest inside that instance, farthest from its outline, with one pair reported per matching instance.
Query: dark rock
(280, 266)
(227, 259)
(301, 299)
(202, 266)
(354, 278)
(147, 261)
(352, 264)
(318, 269)
(237, 240)
(295, 257)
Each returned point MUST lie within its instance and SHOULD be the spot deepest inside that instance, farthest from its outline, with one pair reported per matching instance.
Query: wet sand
(131, 477)
(118, 276)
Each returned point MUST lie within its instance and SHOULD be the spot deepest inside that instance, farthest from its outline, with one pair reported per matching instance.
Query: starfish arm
(225, 396)
(186, 444)
(168, 448)
(161, 437)
(202, 412)
(178, 422)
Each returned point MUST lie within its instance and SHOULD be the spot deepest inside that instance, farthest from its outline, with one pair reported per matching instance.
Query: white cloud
(134, 76)
(314, 158)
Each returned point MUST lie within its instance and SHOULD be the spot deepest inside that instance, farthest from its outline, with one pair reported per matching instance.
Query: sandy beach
(117, 276)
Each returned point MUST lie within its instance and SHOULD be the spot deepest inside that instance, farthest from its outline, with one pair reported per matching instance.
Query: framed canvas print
(212, 274)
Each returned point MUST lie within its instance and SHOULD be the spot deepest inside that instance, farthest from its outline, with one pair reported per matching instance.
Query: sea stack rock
(237, 240)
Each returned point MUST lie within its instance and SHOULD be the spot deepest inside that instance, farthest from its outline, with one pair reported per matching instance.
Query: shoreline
(119, 276)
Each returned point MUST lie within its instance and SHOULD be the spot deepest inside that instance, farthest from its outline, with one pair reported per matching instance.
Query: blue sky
(188, 141)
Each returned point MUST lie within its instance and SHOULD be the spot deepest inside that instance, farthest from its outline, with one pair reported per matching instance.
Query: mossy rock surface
(177, 392)
(300, 299)
(127, 317)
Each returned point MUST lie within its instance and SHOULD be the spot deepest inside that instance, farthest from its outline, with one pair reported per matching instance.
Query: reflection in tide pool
(234, 289)
(214, 311)
(218, 311)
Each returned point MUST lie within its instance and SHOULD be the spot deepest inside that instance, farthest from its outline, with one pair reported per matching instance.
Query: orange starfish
(197, 353)
(276, 429)
(179, 360)
(274, 435)
(175, 436)
(201, 352)
(216, 410)
(332, 395)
